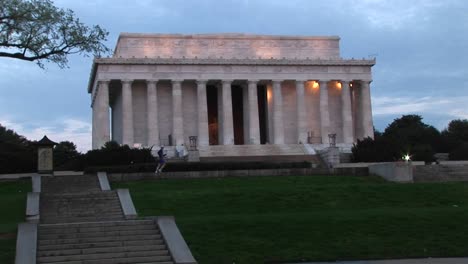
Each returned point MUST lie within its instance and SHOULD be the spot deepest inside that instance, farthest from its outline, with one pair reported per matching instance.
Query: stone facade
(266, 89)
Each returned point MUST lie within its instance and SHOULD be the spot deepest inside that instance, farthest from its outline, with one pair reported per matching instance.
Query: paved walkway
(401, 261)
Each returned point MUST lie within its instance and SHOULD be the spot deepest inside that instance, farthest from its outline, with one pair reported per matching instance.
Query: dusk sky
(421, 47)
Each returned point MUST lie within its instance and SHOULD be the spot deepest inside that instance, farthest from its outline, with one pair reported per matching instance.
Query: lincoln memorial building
(230, 91)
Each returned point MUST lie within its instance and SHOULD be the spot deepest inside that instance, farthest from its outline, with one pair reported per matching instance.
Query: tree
(457, 130)
(17, 154)
(36, 30)
(65, 151)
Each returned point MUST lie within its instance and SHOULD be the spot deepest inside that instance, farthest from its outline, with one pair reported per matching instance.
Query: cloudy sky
(421, 48)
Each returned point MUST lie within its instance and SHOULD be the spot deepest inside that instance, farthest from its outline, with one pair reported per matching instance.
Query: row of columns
(101, 129)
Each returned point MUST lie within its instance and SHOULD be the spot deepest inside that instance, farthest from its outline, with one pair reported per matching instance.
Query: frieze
(206, 46)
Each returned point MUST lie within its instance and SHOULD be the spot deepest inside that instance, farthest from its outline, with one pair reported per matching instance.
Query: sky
(421, 47)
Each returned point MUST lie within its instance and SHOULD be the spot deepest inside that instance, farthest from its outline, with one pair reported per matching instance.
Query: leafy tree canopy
(409, 130)
(457, 129)
(36, 30)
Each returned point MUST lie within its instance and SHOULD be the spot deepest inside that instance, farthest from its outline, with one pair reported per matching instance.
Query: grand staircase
(80, 224)
(267, 152)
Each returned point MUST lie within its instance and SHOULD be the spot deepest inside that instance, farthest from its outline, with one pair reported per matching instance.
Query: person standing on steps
(161, 160)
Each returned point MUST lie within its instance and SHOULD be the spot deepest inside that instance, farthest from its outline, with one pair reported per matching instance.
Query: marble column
(228, 125)
(254, 123)
(101, 120)
(203, 135)
(177, 114)
(278, 130)
(346, 113)
(127, 113)
(324, 111)
(366, 110)
(301, 113)
(152, 113)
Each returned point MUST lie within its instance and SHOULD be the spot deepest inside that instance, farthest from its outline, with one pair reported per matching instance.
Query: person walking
(161, 160)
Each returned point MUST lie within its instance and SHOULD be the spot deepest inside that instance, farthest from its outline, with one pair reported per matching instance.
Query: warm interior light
(268, 95)
(315, 84)
(351, 85)
(338, 85)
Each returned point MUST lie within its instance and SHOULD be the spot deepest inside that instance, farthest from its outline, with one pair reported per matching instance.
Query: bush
(459, 153)
(112, 154)
(423, 152)
(200, 166)
(379, 150)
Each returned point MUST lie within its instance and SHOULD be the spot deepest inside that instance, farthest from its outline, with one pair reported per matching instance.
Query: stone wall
(393, 171)
(441, 173)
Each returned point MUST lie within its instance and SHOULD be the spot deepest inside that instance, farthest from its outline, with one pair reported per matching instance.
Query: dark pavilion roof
(45, 141)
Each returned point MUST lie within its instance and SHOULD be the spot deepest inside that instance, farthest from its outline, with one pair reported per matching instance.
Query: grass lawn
(12, 208)
(280, 219)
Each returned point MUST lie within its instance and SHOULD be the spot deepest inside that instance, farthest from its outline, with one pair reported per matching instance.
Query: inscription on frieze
(227, 46)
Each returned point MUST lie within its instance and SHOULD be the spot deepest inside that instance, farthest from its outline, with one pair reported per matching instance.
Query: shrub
(112, 154)
(459, 153)
(423, 152)
(379, 150)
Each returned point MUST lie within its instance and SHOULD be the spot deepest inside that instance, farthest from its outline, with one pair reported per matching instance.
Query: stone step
(98, 214)
(126, 243)
(65, 235)
(150, 255)
(97, 224)
(84, 229)
(100, 250)
(62, 220)
(83, 195)
(98, 239)
(72, 208)
(114, 261)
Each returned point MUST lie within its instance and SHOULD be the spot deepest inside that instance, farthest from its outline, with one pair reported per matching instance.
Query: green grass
(12, 208)
(279, 219)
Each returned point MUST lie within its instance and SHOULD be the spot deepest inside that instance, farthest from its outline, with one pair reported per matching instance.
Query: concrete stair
(70, 184)
(252, 150)
(80, 207)
(130, 241)
(258, 153)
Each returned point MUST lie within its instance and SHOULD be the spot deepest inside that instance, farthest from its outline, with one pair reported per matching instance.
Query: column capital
(151, 81)
(227, 81)
(177, 80)
(254, 81)
(126, 81)
(323, 80)
(104, 81)
(277, 81)
(201, 81)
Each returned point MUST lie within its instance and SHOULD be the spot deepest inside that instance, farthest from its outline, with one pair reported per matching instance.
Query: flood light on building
(406, 157)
